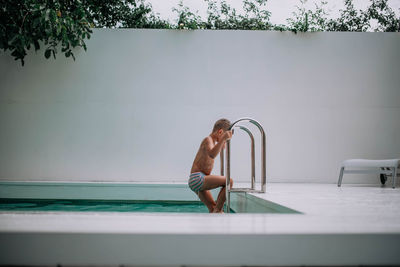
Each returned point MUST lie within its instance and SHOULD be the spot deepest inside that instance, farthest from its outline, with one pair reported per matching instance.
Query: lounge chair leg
(340, 177)
(394, 176)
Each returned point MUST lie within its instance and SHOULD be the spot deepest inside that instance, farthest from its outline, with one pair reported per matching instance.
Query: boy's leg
(206, 197)
(214, 181)
(221, 198)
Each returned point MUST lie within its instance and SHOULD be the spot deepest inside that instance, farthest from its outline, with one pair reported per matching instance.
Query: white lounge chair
(384, 168)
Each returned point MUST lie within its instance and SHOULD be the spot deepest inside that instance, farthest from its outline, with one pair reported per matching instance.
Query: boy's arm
(214, 151)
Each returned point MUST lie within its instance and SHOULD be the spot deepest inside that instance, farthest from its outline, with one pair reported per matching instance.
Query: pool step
(245, 190)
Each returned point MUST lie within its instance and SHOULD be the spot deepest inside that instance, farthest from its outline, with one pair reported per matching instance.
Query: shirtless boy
(201, 180)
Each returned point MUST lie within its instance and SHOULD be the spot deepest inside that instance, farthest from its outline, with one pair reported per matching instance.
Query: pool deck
(350, 225)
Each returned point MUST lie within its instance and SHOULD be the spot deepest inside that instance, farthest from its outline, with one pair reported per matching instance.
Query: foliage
(122, 14)
(380, 11)
(308, 20)
(223, 16)
(350, 19)
(256, 17)
(66, 24)
(186, 18)
(26, 23)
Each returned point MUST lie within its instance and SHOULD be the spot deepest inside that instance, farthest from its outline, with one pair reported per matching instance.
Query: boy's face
(220, 133)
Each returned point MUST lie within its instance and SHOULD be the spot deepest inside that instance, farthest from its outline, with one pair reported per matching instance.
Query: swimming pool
(47, 238)
(119, 197)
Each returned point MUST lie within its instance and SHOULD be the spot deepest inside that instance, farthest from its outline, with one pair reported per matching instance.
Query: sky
(280, 9)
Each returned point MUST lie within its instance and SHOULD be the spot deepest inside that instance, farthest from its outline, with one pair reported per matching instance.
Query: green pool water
(101, 206)
(119, 197)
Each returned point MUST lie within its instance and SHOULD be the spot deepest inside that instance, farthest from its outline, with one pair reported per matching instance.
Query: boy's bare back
(203, 162)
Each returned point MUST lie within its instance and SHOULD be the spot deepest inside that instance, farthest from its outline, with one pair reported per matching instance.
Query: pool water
(119, 197)
(101, 206)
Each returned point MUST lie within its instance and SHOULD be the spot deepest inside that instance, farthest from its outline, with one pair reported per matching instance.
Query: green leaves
(350, 19)
(66, 24)
(47, 54)
(26, 23)
(123, 14)
(223, 16)
(256, 17)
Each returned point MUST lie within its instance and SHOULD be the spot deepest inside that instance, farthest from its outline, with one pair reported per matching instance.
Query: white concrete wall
(136, 105)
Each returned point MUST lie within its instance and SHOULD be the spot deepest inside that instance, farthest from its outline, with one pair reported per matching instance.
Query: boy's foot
(218, 211)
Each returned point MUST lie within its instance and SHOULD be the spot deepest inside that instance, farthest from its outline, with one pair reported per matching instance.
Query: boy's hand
(227, 135)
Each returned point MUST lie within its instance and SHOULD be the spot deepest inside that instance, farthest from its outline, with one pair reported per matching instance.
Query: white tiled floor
(325, 209)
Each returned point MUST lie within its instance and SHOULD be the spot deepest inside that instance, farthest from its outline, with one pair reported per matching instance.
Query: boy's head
(220, 127)
(221, 124)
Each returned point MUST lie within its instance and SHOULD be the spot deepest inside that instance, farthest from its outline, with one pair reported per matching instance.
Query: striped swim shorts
(196, 181)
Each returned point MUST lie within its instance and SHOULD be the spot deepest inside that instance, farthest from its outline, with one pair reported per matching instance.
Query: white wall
(136, 105)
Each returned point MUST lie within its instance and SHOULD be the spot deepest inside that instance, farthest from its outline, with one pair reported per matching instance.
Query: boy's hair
(223, 124)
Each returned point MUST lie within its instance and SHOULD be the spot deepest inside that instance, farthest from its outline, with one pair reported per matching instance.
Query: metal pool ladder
(253, 175)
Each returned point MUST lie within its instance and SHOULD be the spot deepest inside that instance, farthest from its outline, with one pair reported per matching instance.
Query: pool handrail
(252, 155)
(263, 162)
